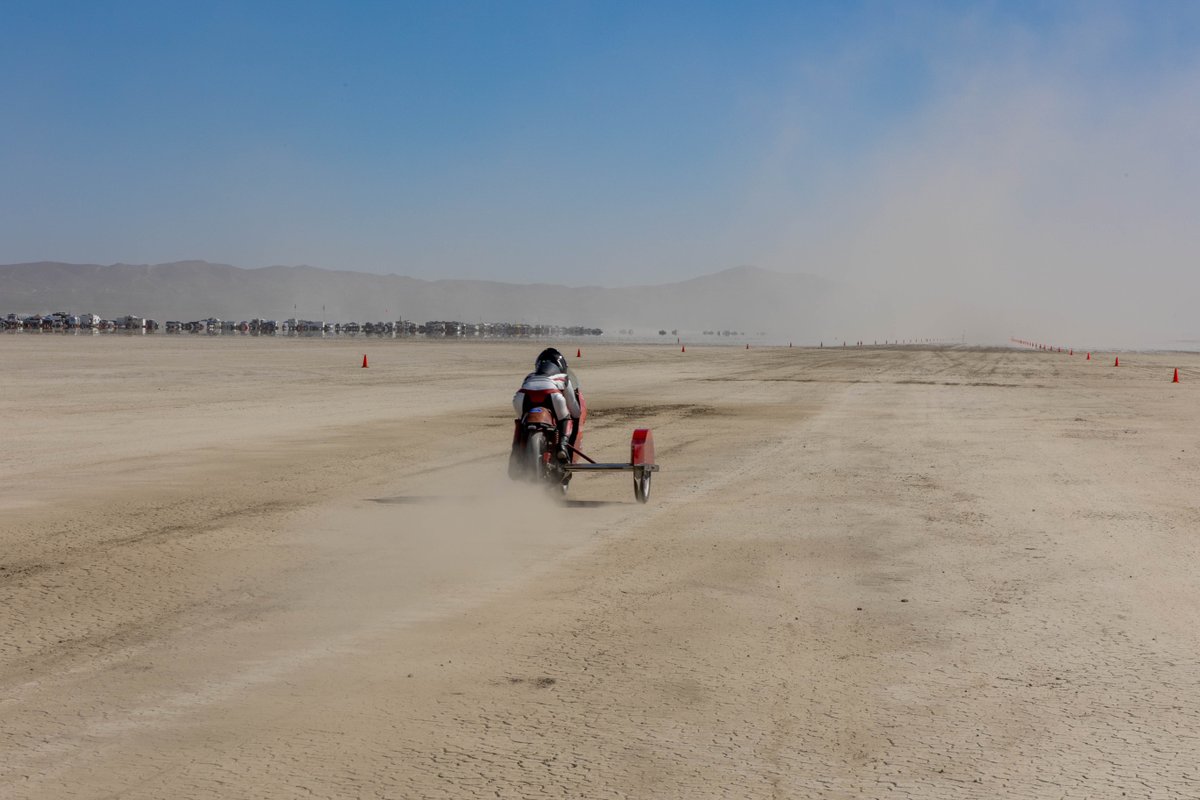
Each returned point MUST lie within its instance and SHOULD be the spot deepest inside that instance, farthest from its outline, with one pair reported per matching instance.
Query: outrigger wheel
(641, 483)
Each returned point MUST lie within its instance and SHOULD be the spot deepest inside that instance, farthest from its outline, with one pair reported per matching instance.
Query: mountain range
(749, 299)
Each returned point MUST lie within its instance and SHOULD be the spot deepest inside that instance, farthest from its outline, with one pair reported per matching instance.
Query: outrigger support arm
(580, 453)
(641, 456)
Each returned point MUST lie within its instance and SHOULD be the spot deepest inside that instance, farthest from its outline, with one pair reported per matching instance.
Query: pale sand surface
(248, 568)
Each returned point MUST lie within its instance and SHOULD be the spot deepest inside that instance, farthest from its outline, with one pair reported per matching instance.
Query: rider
(553, 385)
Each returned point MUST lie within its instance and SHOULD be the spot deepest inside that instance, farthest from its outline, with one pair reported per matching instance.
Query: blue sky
(904, 144)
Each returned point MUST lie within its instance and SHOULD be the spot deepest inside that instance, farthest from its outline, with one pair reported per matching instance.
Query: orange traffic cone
(683, 349)
(1072, 352)
(1117, 361)
(578, 353)
(1089, 358)
(364, 366)
(1176, 378)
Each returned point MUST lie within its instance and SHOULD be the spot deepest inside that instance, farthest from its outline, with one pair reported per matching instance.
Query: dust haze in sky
(1037, 196)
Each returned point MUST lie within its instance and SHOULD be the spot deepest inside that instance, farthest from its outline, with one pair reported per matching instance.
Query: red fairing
(642, 447)
(537, 397)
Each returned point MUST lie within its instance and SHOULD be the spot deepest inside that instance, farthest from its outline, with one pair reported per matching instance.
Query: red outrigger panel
(641, 449)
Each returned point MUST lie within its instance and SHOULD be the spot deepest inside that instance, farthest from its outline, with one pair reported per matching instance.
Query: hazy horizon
(634, 282)
(759, 302)
(994, 169)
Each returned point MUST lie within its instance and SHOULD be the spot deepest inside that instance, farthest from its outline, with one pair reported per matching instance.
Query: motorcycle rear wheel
(534, 447)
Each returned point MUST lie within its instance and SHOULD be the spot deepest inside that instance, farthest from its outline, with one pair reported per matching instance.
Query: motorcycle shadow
(446, 499)
(422, 500)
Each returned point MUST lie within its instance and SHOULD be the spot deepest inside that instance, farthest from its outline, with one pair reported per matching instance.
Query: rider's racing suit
(560, 393)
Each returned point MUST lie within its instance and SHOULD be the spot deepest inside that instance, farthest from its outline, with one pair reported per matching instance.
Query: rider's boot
(564, 453)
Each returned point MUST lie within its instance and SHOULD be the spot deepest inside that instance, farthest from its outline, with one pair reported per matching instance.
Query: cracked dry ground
(938, 573)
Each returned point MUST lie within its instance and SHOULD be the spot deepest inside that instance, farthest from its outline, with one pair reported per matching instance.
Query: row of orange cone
(1117, 363)
(1071, 352)
(683, 349)
(578, 354)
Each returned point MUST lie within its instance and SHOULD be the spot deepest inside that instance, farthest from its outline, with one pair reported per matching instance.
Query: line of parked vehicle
(62, 321)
